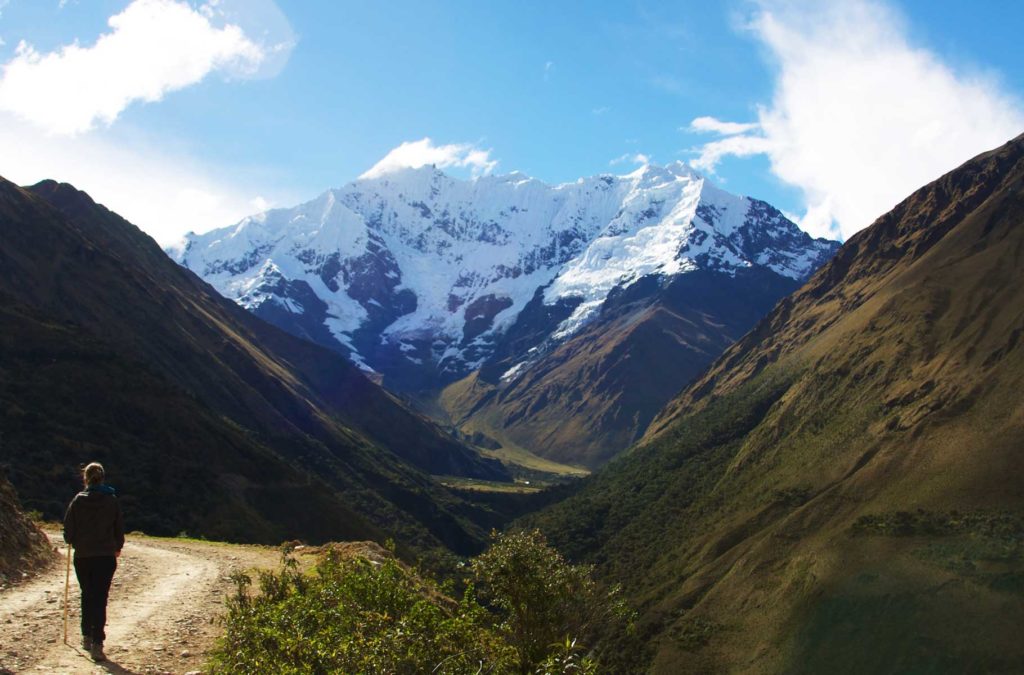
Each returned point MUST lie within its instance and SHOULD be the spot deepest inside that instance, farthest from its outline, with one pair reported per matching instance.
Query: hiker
(93, 526)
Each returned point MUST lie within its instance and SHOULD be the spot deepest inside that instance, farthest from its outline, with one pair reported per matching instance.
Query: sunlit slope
(842, 491)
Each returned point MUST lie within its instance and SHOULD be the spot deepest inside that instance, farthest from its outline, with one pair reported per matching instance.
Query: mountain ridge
(482, 300)
(414, 268)
(840, 490)
(892, 235)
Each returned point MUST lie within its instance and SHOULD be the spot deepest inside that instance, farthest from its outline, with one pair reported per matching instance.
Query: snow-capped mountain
(414, 271)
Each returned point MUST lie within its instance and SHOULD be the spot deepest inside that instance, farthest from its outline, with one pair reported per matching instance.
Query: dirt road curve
(161, 617)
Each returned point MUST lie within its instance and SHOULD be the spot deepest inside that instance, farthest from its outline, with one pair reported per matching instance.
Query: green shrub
(552, 612)
(355, 616)
(567, 658)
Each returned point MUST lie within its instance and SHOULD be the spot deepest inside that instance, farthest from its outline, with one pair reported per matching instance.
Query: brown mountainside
(594, 395)
(211, 420)
(25, 547)
(841, 491)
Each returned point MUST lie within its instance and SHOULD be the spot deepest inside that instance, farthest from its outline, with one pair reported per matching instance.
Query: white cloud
(860, 117)
(716, 126)
(635, 158)
(414, 154)
(261, 21)
(548, 67)
(260, 204)
(153, 47)
(737, 146)
(601, 110)
(163, 193)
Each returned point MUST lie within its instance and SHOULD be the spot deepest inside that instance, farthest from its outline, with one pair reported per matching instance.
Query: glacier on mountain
(431, 269)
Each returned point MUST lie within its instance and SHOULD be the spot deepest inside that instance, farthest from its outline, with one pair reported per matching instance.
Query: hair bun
(93, 473)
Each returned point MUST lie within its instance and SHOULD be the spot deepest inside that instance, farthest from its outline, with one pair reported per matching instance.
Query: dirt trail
(161, 617)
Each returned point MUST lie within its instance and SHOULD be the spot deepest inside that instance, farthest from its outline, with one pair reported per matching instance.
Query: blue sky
(187, 115)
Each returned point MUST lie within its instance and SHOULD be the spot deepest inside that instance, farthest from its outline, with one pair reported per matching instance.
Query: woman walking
(94, 527)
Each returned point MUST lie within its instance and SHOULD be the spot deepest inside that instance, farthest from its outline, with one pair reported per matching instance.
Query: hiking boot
(96, 652)
(86, 642)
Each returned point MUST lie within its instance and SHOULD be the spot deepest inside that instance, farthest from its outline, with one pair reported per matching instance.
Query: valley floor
(162, 615)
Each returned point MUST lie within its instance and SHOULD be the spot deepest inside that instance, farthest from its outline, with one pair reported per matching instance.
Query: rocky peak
(416, 269)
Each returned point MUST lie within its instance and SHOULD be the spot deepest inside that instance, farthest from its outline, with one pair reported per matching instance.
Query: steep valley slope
(210, 420)
(841, 491)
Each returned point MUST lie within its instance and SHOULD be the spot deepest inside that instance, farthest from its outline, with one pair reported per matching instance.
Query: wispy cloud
(631, 158)
(859, 118)
(716, 126)
(549, 67)
(153, 47)
(600, 110)
(414, 154)
(735, 146)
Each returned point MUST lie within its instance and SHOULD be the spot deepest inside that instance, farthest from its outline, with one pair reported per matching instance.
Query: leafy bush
(551, 611)
(354, 615)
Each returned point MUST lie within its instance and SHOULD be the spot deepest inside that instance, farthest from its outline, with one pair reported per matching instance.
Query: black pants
(94, 577)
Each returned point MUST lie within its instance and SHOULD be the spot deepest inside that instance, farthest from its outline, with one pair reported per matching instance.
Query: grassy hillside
(209, 420)
(840, 492)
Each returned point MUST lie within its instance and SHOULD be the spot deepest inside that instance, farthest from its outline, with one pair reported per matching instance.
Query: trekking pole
(67, 583)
